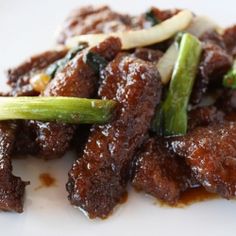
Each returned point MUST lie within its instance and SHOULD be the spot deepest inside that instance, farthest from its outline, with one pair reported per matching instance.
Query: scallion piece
(61, 109)
(174, 108)
(229, 80)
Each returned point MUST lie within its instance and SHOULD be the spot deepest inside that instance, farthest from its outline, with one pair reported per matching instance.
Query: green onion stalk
(60, 109)
(229, 80)
(172, 115)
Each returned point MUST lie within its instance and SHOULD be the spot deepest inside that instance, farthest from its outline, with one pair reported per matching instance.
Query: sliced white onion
(140, 38)
(202, 24)
(166, 63)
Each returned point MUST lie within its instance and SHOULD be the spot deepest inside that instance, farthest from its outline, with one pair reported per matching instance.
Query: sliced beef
(11, 187)
(159, 173)
(211, 154)
(77, 79)
(204, 116)
(214, 63)
(97, 180)
(93, 20)
(230, 40)
(52, 139)
(19, 77)
(147, 54)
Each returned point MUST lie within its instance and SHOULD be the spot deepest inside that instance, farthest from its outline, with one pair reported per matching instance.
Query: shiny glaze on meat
(159, 173)
(77, 79)
(91, 19)
(11, 187)
(19, 77)
(211, 154)
(97, 180)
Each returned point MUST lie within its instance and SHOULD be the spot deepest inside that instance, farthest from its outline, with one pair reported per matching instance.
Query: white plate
(27, 27)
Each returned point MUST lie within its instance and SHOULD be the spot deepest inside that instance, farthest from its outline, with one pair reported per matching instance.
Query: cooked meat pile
(91, 20)
(211, 154)
(77, 79)
(126, 149)
(160, 173)
(98, 179)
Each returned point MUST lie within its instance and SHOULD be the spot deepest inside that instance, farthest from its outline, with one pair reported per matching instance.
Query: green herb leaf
(150, 16)
(95, 61)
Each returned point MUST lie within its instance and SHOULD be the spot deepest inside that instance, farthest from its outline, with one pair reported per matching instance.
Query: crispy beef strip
(97, 180)
(19, 77)
(211, 154)
(215, 62)
(91, 19)
(160, 173)
(77, 79)
(12, 188)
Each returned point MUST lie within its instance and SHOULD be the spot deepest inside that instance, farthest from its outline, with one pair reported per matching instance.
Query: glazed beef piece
(159, 173)
(76, 79)
(93, 20)
(90, 20)
(204, 116)
(97, 180)
(51, 141)
(19, 77)
(211, 154)
(214, 63)
(12, 188)
(230, 40)
(147, 54)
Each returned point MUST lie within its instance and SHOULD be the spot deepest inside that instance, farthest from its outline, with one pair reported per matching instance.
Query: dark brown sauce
(124, 198)
(195, 195)
(46, 180)
(191, 196)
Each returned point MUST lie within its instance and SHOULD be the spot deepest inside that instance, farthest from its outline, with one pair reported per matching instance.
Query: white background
(28, 26)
